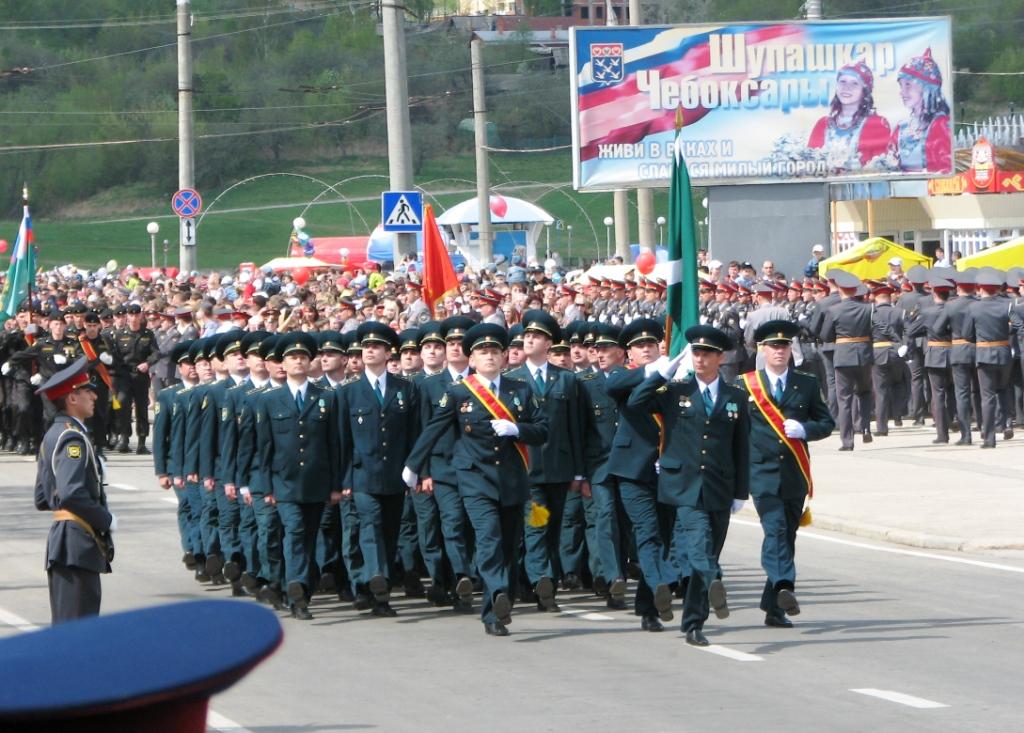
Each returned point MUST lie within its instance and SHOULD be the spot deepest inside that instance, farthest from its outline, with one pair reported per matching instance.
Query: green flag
(682, 251)
(20, 274)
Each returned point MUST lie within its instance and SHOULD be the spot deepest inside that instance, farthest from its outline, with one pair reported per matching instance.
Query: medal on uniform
(323, 405)
(223, 414)
(359, 419)
(732, 410)
(683, 402)
(399, 398)
(443, 401)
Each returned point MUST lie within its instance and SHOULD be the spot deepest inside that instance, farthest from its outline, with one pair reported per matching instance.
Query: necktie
(709, 404)
(538, 377)
(778, 391)
(377, 391)
(490, 386)
(298, 400)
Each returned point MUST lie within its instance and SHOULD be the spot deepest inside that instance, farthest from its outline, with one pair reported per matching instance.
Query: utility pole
(620, 198)
(644, 196)
(483, 182)
(186, 153)
(396, 86)
(813, 9)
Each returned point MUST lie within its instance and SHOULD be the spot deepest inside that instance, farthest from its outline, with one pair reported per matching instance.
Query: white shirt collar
(382, 379)
(543, 368)
(455, 375)
(260, 383)
(300, 389)
(773, 378)
(713, 388)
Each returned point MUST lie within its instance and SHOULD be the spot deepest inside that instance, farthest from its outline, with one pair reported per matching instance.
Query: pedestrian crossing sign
(402, 211)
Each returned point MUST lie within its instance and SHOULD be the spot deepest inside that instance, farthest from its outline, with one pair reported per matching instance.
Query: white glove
(794, 429)
(36, 379)
(113, 522)
(6, 368)
(657, 467)
(409, 477)
(902, 351)
(668, 369)
(60, 359)
(655, 366)
(505, 428)
(244, 490)
(106, 358)
(737, 504)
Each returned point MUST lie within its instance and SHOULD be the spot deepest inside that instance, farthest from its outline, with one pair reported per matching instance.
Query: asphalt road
(890, 638)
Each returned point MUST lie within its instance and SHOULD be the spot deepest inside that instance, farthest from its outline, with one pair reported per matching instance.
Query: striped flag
(18, 284)
(681, 309)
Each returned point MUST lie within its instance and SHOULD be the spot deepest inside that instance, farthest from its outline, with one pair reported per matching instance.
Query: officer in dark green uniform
(556, 465)
(488, 457)
(630, 470)
(296, 426)
(704, 464)
(377, 425)
(600, 419)
(777, 481)
(69, 483)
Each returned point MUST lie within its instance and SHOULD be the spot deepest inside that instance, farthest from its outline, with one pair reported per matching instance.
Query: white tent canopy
(461, 220)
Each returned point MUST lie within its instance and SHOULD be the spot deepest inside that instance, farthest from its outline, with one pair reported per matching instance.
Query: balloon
(3, 246)
(499, 206)
(645, 262)
(343, 252)
(111, 265)
(300, 275)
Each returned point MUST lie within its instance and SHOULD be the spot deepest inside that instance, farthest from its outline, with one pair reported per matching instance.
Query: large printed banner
(762, 102)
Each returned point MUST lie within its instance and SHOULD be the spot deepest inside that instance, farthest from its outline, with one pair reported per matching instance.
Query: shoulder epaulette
(586, 375)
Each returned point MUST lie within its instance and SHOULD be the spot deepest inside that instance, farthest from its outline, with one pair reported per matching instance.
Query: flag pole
(32, 274)
(668, 320)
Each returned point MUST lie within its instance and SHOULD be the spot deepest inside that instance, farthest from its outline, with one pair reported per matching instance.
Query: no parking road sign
(402, 211)
(187, 203)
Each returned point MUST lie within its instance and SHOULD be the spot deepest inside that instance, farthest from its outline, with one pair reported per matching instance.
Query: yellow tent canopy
(1002, 257)
(869, 260)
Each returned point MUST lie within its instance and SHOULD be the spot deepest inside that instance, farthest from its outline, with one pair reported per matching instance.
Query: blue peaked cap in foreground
(130, 671)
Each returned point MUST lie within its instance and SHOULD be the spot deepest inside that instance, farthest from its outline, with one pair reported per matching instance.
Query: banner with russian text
(763, 102)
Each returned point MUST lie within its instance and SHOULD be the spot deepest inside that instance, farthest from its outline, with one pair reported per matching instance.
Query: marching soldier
(69, 482)
(136, 350)
(847, 325)
(911, 304)
(887, 369)
(100, 351)
(555, 466)
(961, 356)
(786, 411)
(47, 356)
(704, 467)
(988, 325)
(377, 425)
(828, 347)
(933, 324)
(495, 418)
(296, 427)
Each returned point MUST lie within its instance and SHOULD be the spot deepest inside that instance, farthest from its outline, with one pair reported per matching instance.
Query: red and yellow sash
(774, 417)
(497, 409)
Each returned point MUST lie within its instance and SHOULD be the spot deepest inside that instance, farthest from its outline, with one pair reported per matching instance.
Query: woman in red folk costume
(923, 141)
(852, 134)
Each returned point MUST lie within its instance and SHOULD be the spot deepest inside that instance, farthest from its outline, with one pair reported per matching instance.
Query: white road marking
(16, 621)
(169, 500)
(724, 651)
(585, 614)
(895, 551)
(899, 697)
(219, 722)
(124, 487)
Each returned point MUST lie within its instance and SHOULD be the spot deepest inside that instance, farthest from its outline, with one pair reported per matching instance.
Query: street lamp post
(166, 243)
(153, 228)
(661, 231)
(608, 222)
(547, 240)
(568, 229)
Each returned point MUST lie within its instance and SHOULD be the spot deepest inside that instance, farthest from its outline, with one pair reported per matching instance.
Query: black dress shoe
(345, 594)
(271, 595)
(460, 605)
(898, 422)
(940, 441)
(988, 444)
(651, 623)
(717, 599)
(882, 433)
(600, 586)
(663, 601)
(545, 590)
(218, 579)
(250, 582)
(551, 608)
(779, 622)
(363, 602)
(1008, 434)
(963, 441)
(867, 436)
(918, 421)
(378, 586)
(616, 604)
(571, 581)
(695, 637)
(503, 608)
(296, 592)
(214, 564)
(122, 446)
(384, 610)
(495, 628)
(633, 571)
(142, 450)
(190, 560)
(237, 591)
(786, 600)
(414, 586)
(437, 595)
(201, 575)
(326, 584)
(617, 589)
(464, 588)
(301, 612)
(845, 447)
(232, 571)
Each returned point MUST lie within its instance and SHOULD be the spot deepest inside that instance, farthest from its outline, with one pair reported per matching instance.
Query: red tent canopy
(329, 249)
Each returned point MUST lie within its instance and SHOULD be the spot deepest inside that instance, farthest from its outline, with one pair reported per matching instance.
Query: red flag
(439, 276)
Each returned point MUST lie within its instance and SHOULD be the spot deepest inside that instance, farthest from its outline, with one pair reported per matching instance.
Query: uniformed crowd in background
(331, 437)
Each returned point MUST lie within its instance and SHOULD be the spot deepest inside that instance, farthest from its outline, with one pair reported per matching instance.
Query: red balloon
(499, 206)
(645, 262)
(300, 275)
(3, 246)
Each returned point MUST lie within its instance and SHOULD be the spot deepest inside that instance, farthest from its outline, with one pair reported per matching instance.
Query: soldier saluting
(69, 482)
